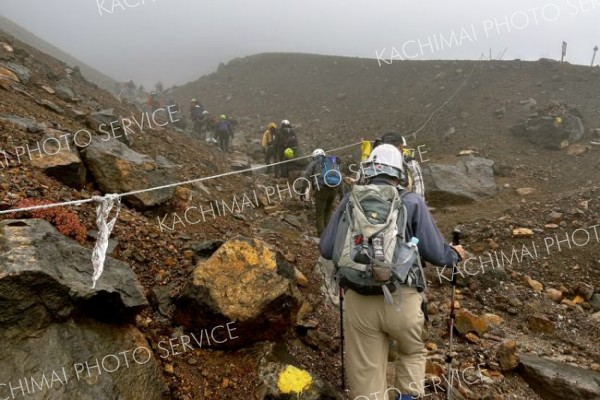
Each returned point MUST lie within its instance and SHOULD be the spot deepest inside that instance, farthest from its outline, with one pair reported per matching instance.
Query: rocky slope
(533, 291)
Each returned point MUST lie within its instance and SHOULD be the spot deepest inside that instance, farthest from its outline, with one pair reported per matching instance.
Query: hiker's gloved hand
(460, 251)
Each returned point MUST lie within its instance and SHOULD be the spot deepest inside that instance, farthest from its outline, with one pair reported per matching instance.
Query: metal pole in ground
(594, 56)
(455, 241)
(342, 337)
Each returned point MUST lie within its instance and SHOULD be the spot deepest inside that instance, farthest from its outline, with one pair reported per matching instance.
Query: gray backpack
(371, 253)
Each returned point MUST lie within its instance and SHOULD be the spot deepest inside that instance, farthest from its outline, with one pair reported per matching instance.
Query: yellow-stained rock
(554, 295)
(468, 322)
(243, 281)
(535, 285)
(541, 324)
(522, 232)
(507, 355)
(492, 319)
(301, 280)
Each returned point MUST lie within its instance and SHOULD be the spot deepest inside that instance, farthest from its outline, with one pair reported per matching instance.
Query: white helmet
(285, 123)
(385, 159)
(204, 112)
(318, 152)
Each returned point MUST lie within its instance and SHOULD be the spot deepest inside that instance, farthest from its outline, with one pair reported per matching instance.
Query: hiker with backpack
(285, 139)
(224, 133)
(324, 175)
(376, 239)
(197, 120)
(268, 144)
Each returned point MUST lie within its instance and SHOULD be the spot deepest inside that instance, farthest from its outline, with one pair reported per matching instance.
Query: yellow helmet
(223, 117)
(288, 153)
(272, 125)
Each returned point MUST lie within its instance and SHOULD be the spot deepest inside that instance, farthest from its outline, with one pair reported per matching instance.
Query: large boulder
(19, 70)
(470, 179)
(72, 360)
(551, 127)
(59, 161)
(118, 169)
(46, 277)
(59, 338)
(555, 380)
(243, 281)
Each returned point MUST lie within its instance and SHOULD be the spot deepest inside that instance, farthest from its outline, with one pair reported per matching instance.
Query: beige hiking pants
(369, 323)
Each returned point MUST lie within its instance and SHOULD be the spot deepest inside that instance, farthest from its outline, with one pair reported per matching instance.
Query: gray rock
(51, 106)
(543, 132)
(324, 270)
(162, 162)
(46, 277)
(101, 123)
(22, 72)
(595, 302)
(28, 124)
(554, 380)
(529, 104)
(57, 355)
(470, 179)
(574, 129)
(118, 169)
(206, 249)
(160, 297)
(64, 91)
(59, 161)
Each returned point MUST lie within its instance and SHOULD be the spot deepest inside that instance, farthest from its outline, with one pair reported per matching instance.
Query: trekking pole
(342, 336)
(455, 242)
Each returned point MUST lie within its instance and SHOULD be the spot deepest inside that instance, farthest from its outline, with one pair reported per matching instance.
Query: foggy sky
(177, 41)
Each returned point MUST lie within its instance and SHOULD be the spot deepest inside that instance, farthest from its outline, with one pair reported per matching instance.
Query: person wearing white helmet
(369, 321)
(414, 176)
(324, 177)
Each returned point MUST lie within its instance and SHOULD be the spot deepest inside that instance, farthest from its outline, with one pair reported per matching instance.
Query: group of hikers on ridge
(217, 130)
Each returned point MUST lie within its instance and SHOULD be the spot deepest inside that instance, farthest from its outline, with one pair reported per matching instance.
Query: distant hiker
(268, 144)
(197, 120)
(285, 138)
(224, 133)
(193, 103)
(325, 178)
(374, 239)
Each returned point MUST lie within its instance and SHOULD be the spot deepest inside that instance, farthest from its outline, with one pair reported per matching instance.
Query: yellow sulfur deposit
(293, 380)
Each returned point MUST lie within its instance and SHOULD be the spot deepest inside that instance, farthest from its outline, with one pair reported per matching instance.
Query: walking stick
(342, 336)
(455, 241)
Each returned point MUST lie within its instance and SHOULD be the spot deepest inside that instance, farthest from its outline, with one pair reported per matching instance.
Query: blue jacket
(432, 246)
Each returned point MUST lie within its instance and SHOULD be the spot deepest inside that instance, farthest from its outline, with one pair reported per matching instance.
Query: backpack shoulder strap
(402, 221)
